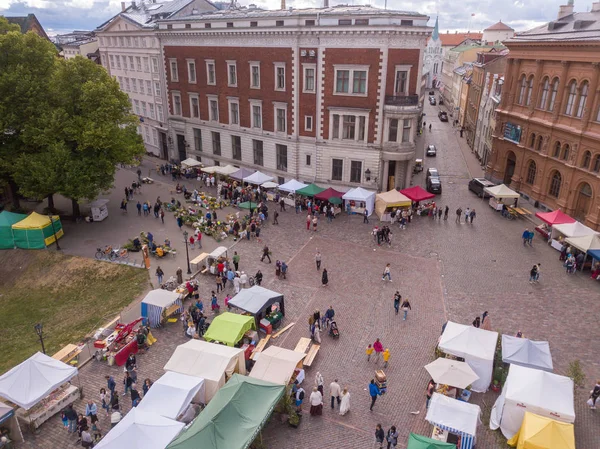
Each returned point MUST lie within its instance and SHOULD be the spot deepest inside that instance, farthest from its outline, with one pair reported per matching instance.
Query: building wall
(433, 59)
(497, 36)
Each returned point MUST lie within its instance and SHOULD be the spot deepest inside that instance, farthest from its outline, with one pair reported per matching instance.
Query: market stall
(99, 209)
(190, 163)
(386, 202)
(214, 363)
(141, 429)
(454, 421)
(420, 442)
(584, 244)
(210, 260)
(172, 393)
(241, 174)
(476, 346)
(10, 423)
(227, 170)
(39, 386)
(550, 219)
(214, 169)
(258, 178)
(310, 190)
(525, 352)
(262, 304)
(277, 365)
(538, 432)
(501, 195)
(7, 220)
(234, 417)
(531, 390)
(156, 302)
(451, 372)
(37, 231)
(567, 230)
(229, 328)
(358, 200)
(291, 187)
(417, 194)
(326, 194)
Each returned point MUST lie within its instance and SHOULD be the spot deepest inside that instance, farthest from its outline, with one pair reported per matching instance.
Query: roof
(229, 328)
(27, 23)
(34, 221)
(499, 27)
(543, 433)
(436, 31)
(449, 412)
(580, 26)
(276, 364)
(255, 299)
(452, 40)
(161, 298)
(528, 353)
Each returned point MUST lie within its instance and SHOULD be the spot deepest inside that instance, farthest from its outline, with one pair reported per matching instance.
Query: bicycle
(111, 254)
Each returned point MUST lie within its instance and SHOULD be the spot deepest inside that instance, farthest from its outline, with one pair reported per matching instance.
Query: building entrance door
(392, 177)
(164, 148)
(509, 171)
(181, 147)
(584, 199)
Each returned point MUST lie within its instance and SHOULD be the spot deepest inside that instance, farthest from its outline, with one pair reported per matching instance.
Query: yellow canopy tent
(539, 432)
(386, 200)
(37, 231)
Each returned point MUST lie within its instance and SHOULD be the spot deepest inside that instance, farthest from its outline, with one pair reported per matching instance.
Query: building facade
(433, 59)
(85, 48)
(328, 95)
(547, 139)
(130, 52)
(486, 118)
(497, 33)
(29, 23)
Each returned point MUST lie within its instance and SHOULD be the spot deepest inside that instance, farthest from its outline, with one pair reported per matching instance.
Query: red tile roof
(499, 27)
(454, 39)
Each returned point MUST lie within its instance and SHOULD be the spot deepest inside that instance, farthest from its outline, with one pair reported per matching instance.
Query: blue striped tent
(457, 417)
(155, 302)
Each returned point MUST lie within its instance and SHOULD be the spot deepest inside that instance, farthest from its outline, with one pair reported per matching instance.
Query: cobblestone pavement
(448, 271)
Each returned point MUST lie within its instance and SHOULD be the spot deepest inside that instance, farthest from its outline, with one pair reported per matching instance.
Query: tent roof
(10, 218)
(468, 341)
(574, 229)
(420, 442)
(328, 193)
(417, 193)
(254, 299)
(539, 432)
(242, 173)
(524, 352)
(292, 186)
(160, 297)
(258, 178)
(358, 194)
(394, 198)
(452, 413)
(227, 170)
(233, 417)
(555, 217)
(34, 221)
(30, 381)
(451, 372)
(595, 253)
(4, 410)
(140, 429)
(191, 162)
(585, 242)
(219, 251)
(229, 328)
(269, 185)
(534, 387)
(202, 359)
(214, 169)
(501, 191)
(276, 365)
(310, 190)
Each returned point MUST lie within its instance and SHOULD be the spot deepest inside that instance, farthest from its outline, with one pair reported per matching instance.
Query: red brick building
(330, 95)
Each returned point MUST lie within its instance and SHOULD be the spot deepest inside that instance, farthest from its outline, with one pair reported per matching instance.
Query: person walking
(159, 274)
(146, 210)
(111, 384)
(392, 434)
(458, 214)
(105, 400)
(387, 273)
(405, 308)
(345, 403)
(71, 416)
(366, 216)
(373, 392)
(538, 270)
(334, 392)
(192, 242)
(236, 261)
(318, 259)
(378, 347)
(299, 399)
(219, 281)
(265, 254)
(324, 278)
(124, 206)
(328, 317)
(139, 208)
(275, 215)
(532, 274)
(315, 221)
(594, 395)
(467, 215)
(429, 392)
(139, 173)
(135, 396)
(308, 220)
(379, 435)
(397, 299)
(440, 213)
(162, 215)
(525, 236)
(316, 403)
(369, 351)
(472, 215)
(446, 210)
(386, 357)
(319, 382)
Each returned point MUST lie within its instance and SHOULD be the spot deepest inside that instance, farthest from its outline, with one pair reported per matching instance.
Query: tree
(7, 27)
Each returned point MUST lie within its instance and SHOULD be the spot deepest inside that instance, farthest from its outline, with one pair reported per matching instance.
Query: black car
(476, 185)
(434, 185)
(432, 173)
(432, 101)
(431, 151)
(443, 115)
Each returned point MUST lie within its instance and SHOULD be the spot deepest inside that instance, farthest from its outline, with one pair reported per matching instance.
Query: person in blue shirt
(374, 392)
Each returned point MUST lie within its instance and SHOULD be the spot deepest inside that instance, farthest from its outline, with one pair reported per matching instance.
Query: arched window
(522, 90)
(596, 166)
(555, 183)
(556, 152)
(583, 94)
(532, 141)
(553, 95)
(571, 98)
(545, 92)
(565, 153)
(529, 91)
(587, 157)
(531, 171)
(539, 143)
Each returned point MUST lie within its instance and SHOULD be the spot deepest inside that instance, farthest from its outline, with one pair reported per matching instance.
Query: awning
(554, 218)
(528, 353)
(501, 191)
(570, 230)
(538, 432)
(242, 173)
(258, 178)
(455, 416)
(255, 299)
(362, 195)
(155, 302)
(328, 193)
(420, 442)
(227, 170)
(292, 186)
(585, 242)
(417, 193)
(276, 364)
(269, 185)
(172, 393)
(229, 328)
(190, 162)
(451, 372)
(310, 190)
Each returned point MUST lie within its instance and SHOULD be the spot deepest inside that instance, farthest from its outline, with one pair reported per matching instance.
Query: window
(151, 110)
(159, 113)
(198, 139)
(121, 42)
(256, 116)
(146, 65)
(342, 81)
(173, 66)
(211, 79)
(257, 151)
(344, 21)
(279, 23)
(126, 84)
(157, 88)
(138, 63)
(176, 104)
(255, 75)
(531, 171)
(279, 77)
(118, 61)
(308, 161)
(194, 106)
(309, 23)
(522, 90)
(565, 153)
(553, 94)
(131, 62)
(112, 61)
(529, 91)
(596, 166)
(587, 157)
(149, 87)
(207, 25)
(234, 113)
(532, 140)
(188, 26)
(191, 65)
(213, 107)
(571, 98)
(142, 90)
(231, 74)
(137, 107)
(280, 125)
(361, 21)
(135, 42)
(133, 85)
(229, 24)
(556, 152)
(309, 79)
(308, 123)
(407, 23)
(355, 171)
(155, 137)
(143, 40)
(253, 24)
(236, 148)
(348, 127)
(401, 82)
(393, 130)
(406, 129)
(555, 183)
(144, 109)
(335, 134)
(545, 92)
(337, 167)
(216, 142)
(281, 153)
(359, 82)
(583, 94)
(155, 65)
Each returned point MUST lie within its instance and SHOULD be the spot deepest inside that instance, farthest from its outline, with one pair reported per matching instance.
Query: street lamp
(38, 330)
(54, 231)
(187, 253)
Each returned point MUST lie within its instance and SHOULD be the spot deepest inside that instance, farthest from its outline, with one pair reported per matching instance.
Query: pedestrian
(162, 215)
(243, 279)
(72, 418)
(594, 395)
(532, 274)
(275, 215)
(345, 403)
(219, 280)
(537, 272)
(392, 434)
(446, 209)
(192, 242)
(146, 386)
(127, 382)
(386, 357)
(440, 213)
(324, 278)
(266, 254)
(316, 403)
(82, 424)
(477, 322)
(214, 303)
(124, 206)
(299, 399)
(139, 208)
(405, 308)
(458, 214)
(159, 274)
(146, 209)
(530, 238)
(135, 396)
(319, 382)
(328, 317)
(369, 352)
(114, 401)
(86, 438)
(366, 216)
(97, 432)
(467, 215)
(258, 277)
(429, 392)
(236, 261)
(397, 299)
(91, 410)
(139, 173)
(379, 435)
(110, 384)
(236, 284)
(486, 321)
(429, 131)
(334, 392)
(318, 259)
(179, 274)
(308, 220)
(179, 222)
(65, 420)
(282, 205)
(387, 273)
(525, 236)
(374, 392)
(315, 220)
(105, 400)
(378, 347)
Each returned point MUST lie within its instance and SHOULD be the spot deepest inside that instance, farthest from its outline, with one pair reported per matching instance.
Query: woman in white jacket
(316, 402)
(345, 404)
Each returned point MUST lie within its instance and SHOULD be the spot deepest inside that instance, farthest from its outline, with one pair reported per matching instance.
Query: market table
(67, 353)
(302, 345)
(49, 406)
(439, 434)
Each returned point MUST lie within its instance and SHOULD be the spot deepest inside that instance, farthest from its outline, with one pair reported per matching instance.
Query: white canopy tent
(292, 186)
(585, 242)
(210, 361)
(155, 302)
(531, 390)
(9, 420)
(172, 393)
(227, 170)
(190, 162)
(276, 364)
(212, 169)
(269, 185)
(455, 416)
(362, 195)
(501, 191)
(451, 372)
(31, 381)
(476, 346)
(571, 230)
(524, 352)
(258, 178)
(141, 430)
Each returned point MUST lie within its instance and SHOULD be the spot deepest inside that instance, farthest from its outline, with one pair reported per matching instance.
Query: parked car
(434, 185)
(432, 173)
(443, 115)
(431, 151)
(432, 101)
(432, 92)
(477, 185)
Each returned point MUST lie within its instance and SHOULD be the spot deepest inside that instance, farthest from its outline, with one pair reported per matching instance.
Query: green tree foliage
(6, 27)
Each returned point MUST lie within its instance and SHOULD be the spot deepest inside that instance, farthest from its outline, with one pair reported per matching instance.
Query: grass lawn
(70, 296)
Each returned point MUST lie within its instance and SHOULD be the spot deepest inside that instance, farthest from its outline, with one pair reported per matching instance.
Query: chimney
(325, 3)
(133, 4)
(123, 7)
(596, 6)
(565, 10)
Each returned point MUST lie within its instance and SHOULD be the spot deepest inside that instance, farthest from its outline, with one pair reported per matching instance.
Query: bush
(576, 373)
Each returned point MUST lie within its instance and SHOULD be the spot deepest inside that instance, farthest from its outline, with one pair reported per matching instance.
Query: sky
(63, 16)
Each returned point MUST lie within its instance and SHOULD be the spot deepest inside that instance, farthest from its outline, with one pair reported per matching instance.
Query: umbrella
(335, 200)
(451, 372)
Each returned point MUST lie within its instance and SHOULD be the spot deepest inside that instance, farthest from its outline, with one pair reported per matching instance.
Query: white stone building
(497, 33)
(83, 48)
(433, 59)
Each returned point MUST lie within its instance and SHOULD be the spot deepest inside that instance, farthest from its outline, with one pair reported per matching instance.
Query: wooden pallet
(260, 346)
(277, 334)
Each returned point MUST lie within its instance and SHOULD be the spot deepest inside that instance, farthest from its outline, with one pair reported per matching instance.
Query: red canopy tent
(417, 193)
(326, 194)
(554, 218)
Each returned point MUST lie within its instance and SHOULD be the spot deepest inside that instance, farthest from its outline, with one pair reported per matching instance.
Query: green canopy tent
(37, 231)
(7, 219)
(310, 190)
(335, 200)
(420, 442)
(229, 328)
(248, 205)
(234, 416)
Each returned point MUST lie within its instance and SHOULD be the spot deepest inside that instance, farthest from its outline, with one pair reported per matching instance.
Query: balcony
(401, 100)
